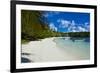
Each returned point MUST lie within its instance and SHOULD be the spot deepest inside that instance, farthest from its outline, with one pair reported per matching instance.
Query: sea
(76, 46)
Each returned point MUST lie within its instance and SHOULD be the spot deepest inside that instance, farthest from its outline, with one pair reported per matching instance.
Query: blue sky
(68, 21)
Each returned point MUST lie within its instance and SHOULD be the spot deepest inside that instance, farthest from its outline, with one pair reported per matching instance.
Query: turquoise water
(78, 47)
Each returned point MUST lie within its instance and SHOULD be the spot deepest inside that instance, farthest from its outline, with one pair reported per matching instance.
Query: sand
(45, 50)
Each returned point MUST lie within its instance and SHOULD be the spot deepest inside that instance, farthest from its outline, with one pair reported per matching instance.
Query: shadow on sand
(25, 53)
(25, 60)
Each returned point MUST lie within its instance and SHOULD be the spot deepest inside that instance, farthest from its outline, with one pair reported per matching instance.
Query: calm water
(79, 47)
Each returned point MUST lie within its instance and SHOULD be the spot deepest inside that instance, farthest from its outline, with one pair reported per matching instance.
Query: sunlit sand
(45, 50)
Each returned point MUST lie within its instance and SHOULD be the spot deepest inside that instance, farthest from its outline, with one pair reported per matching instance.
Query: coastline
(43, 51)
(47, 50)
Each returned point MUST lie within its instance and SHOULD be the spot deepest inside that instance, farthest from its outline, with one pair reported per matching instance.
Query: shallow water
(79, 47)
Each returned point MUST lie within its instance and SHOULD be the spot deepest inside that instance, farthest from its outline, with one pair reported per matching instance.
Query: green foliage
(79, 34)
(24, 41)
(32, 26)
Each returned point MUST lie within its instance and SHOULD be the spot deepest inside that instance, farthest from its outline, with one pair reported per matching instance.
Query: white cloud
(86, 23)
(71, 26)
(74, 31)
(73, 23)
(66, 23)
(77, 29)
(82, 29)
(63, 23)
(87, 26)
(53, 27)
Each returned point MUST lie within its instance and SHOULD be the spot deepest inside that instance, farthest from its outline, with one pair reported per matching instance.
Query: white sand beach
(44, 51)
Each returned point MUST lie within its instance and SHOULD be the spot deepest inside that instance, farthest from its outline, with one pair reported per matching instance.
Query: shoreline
(46, 50)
